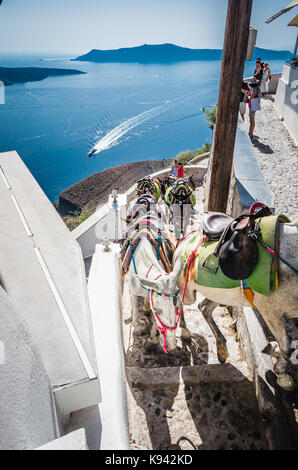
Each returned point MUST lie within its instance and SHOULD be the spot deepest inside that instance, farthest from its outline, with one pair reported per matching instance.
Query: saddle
(180, 191)
(214, 224)
(149, 185)
(236, 251)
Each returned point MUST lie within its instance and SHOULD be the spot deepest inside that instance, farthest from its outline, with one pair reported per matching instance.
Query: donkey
(180, 199)
(149, 185)
(280, 304)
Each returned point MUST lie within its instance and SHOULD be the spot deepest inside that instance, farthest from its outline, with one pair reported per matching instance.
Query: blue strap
(133, 258)
(288, 264)
(158, 247)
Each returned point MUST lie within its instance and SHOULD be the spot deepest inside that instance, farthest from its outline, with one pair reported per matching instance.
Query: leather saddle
(215, 223)
(236, 251)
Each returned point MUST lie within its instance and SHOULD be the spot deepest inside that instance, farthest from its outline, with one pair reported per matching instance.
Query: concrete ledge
(250, 183)
(199, 158)
(42, 270)
(75, 440)
(77, 396)
(104, 294)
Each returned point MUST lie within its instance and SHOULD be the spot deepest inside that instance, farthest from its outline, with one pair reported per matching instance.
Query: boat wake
(113, 136)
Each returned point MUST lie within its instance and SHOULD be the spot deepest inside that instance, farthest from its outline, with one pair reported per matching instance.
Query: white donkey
(282, 303)
(164, 306)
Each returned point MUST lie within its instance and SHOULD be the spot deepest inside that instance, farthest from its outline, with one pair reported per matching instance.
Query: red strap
(190, 260)
(185, 236)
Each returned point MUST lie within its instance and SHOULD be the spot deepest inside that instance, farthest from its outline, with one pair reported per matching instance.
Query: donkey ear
(148, 283)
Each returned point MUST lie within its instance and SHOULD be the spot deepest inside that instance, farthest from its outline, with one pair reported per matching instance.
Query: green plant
(77, 217)
(188, 155)
(211, 116)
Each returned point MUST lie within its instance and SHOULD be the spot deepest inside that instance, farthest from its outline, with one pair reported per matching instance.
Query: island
(169, 53)
(11, 75)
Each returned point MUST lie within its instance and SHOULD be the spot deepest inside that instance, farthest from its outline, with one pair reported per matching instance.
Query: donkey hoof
(222, 353)
(285, 382)
(185, 334)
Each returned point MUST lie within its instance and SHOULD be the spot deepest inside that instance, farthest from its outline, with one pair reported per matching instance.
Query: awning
(294, 21)
(284, 10)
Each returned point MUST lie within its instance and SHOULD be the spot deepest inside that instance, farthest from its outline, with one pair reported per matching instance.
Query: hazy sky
(76, 26)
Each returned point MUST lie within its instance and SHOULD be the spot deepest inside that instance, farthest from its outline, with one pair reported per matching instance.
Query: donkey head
(165, 306)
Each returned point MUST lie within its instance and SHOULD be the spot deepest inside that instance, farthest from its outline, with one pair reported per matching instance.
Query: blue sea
(130, 112)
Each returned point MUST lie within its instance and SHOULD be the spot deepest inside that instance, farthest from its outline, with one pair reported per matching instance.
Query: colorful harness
(162, 328)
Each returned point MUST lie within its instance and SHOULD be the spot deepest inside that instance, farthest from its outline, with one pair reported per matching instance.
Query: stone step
(164, 376)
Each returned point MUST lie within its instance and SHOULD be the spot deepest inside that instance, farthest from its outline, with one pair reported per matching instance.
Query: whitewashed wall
(27, 414)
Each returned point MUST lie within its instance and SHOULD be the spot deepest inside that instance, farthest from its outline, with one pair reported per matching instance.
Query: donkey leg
(280, 350)
(153, 334)
(185, 333)
(146, 307)
(207, 307)
(134, 310)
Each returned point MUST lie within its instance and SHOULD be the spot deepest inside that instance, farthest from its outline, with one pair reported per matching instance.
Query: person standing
(258, 74)
(266, 79)
(174, 169)
(254, 104)
(243, 99)
(180, 170)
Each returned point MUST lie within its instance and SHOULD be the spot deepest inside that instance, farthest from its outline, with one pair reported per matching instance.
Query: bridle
(162, 328)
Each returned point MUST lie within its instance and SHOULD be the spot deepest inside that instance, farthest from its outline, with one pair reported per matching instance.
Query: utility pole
(232, 68)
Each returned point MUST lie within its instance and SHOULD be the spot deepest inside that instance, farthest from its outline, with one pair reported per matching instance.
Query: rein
(162, 328)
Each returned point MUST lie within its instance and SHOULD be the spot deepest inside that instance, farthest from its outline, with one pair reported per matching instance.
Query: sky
(76, 26)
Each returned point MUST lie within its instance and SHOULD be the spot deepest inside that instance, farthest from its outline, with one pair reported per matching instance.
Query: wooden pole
(232, 68)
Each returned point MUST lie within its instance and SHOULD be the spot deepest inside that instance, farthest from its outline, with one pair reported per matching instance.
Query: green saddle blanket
(169, 197)
(262, 279)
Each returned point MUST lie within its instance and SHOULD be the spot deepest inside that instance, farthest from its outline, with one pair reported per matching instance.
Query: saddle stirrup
(211, 263)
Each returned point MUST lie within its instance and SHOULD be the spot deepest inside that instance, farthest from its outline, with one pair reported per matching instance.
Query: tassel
(248, 293)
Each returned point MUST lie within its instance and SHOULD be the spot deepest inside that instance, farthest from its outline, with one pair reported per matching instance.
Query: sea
(127, 112)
